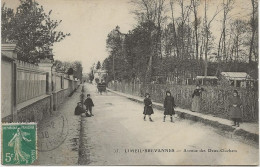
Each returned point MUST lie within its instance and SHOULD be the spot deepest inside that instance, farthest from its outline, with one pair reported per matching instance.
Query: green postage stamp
(19, 143)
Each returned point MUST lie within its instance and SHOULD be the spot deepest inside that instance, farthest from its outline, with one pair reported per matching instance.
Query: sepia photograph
(129, 83)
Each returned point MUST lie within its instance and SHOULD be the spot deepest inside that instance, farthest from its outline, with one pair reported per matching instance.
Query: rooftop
(207, 77)
(236, 75)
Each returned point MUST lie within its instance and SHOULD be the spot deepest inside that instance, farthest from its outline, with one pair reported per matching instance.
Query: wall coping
(30, 102)
(9, 51)
(9, 47)
(45, 64)
(62, 89)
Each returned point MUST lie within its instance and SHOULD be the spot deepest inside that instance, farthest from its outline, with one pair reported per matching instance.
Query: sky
(90, 21)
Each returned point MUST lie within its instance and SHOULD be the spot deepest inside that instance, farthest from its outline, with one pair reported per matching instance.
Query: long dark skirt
(169, 111)
(195, 106)
(235, 112)
(148, 110)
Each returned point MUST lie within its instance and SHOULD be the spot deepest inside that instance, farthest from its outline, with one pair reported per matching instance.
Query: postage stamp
(19, 143)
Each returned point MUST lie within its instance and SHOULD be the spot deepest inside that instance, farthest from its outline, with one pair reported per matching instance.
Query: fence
(30, 82)
(58, 82)
(30, 92)
(214, 99)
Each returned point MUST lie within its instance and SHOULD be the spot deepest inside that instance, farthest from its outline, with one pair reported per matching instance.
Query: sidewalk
(246, 132)
(61, 145)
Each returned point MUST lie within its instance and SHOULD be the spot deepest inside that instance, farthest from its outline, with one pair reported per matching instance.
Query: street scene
(129, 82)
(117, 135)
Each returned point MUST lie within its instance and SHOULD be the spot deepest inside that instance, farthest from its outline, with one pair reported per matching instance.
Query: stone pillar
(46, 65)
(55, 98)
(71, 85)
(54, 73)
(9, 103)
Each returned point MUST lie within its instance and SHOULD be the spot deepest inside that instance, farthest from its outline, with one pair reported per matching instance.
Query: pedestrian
(168, 105)
(196, 99)
(89, 104)
(79, 110)
(148, 110)
(235, 110)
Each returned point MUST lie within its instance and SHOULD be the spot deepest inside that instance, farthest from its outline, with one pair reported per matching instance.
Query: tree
(174, 30)
(98, 65)
(238, 29)
(139, 45)
(254, 28)
(71, 68)
(70, 71)
(116, 64)
(77, 66)
(207, 32)
(32, 29)
(151, 11)
(195, 4)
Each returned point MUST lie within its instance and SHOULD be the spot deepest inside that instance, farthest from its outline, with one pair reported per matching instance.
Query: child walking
(235, 110)
(148, 110)
(168, 106)
(89, 104)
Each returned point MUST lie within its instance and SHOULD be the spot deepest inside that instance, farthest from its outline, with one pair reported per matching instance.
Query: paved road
(118, 127)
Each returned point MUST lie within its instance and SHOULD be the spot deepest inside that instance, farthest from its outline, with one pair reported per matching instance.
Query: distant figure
(99, 86)
(168, 106)
(148, 110)
(196, 98)
(79, 110)
(89, 104)
(235, 110)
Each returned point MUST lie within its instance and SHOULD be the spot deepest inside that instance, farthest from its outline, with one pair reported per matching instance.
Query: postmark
(19, 143)
(52, 132)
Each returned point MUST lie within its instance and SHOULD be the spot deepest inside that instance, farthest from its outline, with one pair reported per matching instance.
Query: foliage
(32, 29)
(179, 49)
(71, 68)
(98, 65)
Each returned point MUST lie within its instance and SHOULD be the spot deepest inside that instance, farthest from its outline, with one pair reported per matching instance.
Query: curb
(81, 149)
(226, 130)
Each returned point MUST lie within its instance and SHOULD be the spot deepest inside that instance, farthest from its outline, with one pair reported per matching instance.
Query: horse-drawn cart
(101, 87)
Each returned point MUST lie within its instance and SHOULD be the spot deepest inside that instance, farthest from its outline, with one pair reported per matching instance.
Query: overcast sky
(89, 22)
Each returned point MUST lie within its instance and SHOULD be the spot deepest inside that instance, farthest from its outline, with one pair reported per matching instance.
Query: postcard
(129, 82)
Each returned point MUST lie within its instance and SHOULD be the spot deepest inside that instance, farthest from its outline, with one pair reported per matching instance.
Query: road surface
(118, 135)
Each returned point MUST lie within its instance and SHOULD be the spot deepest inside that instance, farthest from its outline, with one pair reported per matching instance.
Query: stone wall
(34, 111)
(61, 96)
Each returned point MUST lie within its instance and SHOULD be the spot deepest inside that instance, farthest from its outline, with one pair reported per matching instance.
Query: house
(238, 79)
(100, 75)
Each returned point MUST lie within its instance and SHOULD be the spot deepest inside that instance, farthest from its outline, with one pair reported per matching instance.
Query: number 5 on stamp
(19, 142)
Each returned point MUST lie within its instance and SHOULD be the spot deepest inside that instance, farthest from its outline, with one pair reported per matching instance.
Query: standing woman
(168, 105)
(235, 110)
(148, 110)
(196, 98)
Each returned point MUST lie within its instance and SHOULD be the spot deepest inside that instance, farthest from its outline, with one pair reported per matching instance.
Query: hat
(147, 94)
(168, 92)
